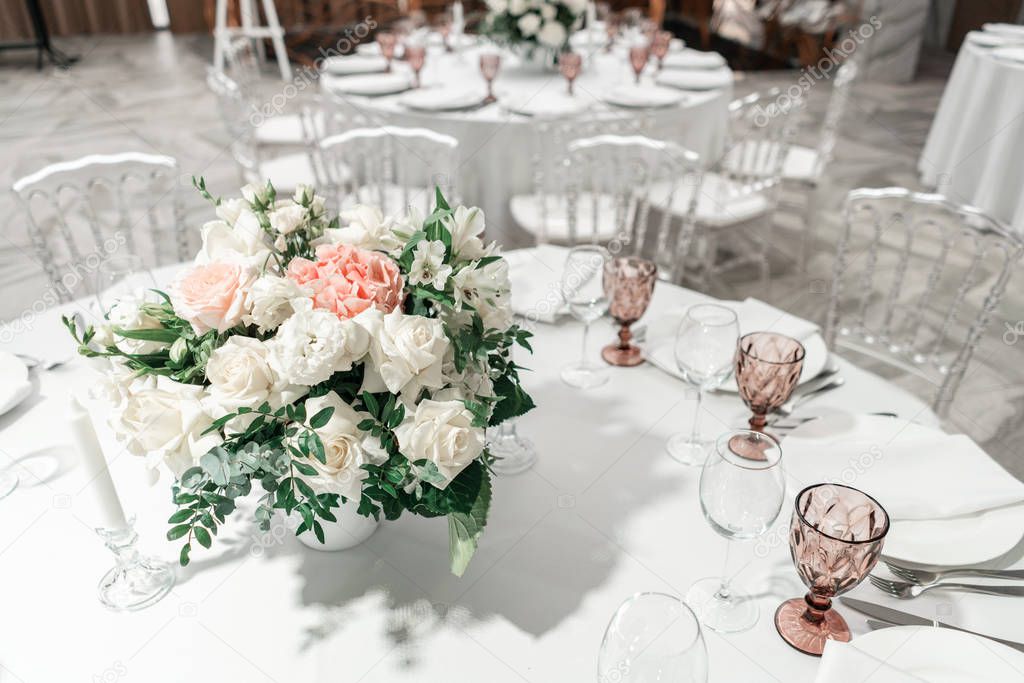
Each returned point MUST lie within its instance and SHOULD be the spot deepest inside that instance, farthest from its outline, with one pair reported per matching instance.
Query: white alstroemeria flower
(406, 352)
(466, 225)
(314, 343)
(443, 433)
(367, 228)
(552, 34)
(528, 24)
(487, 290)
(273, 299)
(428, 267)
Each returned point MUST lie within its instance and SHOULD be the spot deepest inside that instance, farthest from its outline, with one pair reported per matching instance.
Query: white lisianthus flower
(230, 209)
(242, 239)
(315, 343)
(240, 376)
(443, 433)
(272, 300)
(367, 228)
(287, 217)
(548, 12)
(304, 194)
(127, 314)
(528, 24)
(487, 290)
(552, 34)
(253, 193)
(516, 7)
(466, 225)
(164, 420)
(406, 352)
(346, 449)
(428, 266)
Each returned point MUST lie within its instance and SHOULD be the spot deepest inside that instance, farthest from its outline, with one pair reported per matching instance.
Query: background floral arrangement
(356, 360)
(533, 23)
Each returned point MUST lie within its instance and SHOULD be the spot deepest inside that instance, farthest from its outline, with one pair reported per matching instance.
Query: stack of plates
(693, 59)
(443, 99)
(695, 79)
(355, 64)
(371, 85)
(642, 96)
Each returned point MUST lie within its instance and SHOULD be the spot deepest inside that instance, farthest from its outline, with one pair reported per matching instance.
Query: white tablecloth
(976, 143)
(603, 514)
(495, 146)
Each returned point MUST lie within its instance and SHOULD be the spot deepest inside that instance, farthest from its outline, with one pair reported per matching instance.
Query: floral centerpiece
(352, 361)
(532, 24)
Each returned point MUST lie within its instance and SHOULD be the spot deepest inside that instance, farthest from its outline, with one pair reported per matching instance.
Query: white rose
(240, 375)
(313, 344)
(272, 300)
(575, 6)
(127, 314)
(548, 12)
(287, 217)
(528, 25)
(406, 352)
(443, 433)
(552, 34)
(366, 228)
(428, 266)
(346, 449)
(487, 290)
(165, 420)
(516, 7)
(243, 239)
(466, 225)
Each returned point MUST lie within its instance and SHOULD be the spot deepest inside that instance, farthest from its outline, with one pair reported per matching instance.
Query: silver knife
(894, 617)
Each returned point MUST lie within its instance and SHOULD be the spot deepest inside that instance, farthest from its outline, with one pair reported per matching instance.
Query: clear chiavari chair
(916, 281)
(391, 167)
(84, 211)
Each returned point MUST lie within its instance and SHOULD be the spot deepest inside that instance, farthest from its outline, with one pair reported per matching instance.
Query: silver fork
(923, 577)
(906, 590)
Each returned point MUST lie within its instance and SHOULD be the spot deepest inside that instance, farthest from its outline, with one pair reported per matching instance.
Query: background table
(976, 143)
(603, 514)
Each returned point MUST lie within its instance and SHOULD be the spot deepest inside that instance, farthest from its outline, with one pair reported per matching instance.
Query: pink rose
(348, 280)
(212, 296)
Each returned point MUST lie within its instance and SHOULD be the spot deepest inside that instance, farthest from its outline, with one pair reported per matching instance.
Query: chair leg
(809, 217)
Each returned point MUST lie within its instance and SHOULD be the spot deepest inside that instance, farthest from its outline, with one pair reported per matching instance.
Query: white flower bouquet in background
(531, 24)
(317, 363)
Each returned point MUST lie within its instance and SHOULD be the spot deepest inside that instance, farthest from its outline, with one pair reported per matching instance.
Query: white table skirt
(976, 143)
(604, 514)
(495, 146)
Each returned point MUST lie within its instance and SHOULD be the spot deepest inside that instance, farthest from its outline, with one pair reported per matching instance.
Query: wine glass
(653, 637)
(387, 42)
(638, 56)
(630, 283)
(704, 351)
(741, 493)
(584, 292)
(835, 539)
(569, 63)
(121, 275)
(415, 55)
(659, 46)
(489, 65)
(768, 367)
(611, 28)
(444, 27)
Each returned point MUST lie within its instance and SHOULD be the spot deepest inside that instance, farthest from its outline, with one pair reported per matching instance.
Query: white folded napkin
(536, 276)
(1005, 29)
(632, 95)
(693, 59)
(355, 64)
(756, 316)
(546, 103)
(371, 84)
(694, 79)
(14, 383)
(843, 662)
(445, 98)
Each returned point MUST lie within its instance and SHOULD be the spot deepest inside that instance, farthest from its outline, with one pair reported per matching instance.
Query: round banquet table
(495, 145)
(976, 142)
(604, 513)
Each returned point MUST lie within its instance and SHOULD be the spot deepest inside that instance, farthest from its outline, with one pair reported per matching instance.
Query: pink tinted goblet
(835, 538)
(387, 41)
(659, 46)
(570, 63)
(638, 56)
(489, 65)
(416, 55)
(611, 28)
(628, 283)
(768, 368)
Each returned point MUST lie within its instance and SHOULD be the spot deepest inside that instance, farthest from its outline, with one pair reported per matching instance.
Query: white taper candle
(107, 512)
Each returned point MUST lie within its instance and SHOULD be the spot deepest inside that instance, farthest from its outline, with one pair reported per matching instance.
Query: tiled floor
(147, 93)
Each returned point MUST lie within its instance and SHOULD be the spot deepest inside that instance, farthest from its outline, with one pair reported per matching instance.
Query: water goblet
(569, 63)
(489, 65)
(638, 56)
(659, 46)
(121, 275)
(585, 294)
(611, 29)
(741, 492)
(387, 41)
(444, 27)
(768, 367)
(415, 55)
(653, 637)
(704, 351)
(835, 539)
(630, 283)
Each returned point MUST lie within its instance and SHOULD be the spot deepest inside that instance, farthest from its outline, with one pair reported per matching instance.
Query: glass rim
(697, 631)
(739, 347)
(729, 435)
(718, 307)
(804, 522)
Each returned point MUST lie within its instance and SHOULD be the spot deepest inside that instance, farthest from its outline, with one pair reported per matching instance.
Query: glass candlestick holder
(513, 453)
(135, 582)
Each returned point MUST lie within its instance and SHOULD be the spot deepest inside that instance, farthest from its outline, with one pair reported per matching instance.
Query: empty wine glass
(122, 275)
(569, 63)
(387, 42)
(630, 282)
(835, 539)
(489, 65)
(704, 350)
(651, 638)
(659, 46)
(638, 56)
(741, 492)
(587, 298)
(611, 28)
(444, 28)
(415, 55)
(768, 367)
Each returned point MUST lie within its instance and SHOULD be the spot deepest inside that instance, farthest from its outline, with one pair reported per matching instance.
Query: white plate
(355, 64)
(642, 96)
(544, 104)
(695, 79)
(968, 539)
(373, 48)
(942, 655)
(443, 99)
(1010, 53)
(14, 383)
(693, 59)
(371, 85)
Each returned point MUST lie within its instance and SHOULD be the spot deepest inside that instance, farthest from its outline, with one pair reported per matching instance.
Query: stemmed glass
(835, 538)
(121, 275)
(741, 492)
(638, 56)
(387, 42)
(569, 64)
(630, 283)
(704, 350)
(653, 637)
(611, 28)
(584, 291)
(489, 65)
(768, 367)
(444, 27)
(415, 55)
(659, 46)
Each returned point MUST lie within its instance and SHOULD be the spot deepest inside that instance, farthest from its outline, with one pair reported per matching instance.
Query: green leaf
(203, 536)
(183, 557)
(465, 528)
(439, 199)
(318, 530)
(305, 469)
(215, 463)
(370, 401)
(192, 477)
(176, 532)
(155, 335)
(321, 418)
(180, 516)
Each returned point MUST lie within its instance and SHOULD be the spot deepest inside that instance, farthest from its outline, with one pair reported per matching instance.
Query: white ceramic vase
(350, 530)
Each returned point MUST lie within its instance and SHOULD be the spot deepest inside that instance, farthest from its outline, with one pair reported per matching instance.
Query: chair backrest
(917, 279)
(239, 118)
(842, 84)
(614, 182)
(391, 167)
(81, 212)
